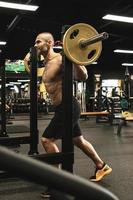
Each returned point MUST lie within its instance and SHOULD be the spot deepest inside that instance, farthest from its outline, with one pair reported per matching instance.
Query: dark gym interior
(105, 98)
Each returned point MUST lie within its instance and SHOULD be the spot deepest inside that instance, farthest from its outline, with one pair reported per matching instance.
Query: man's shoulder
(57, 57)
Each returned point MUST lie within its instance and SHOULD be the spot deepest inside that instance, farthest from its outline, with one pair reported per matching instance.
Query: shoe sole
(101, 177)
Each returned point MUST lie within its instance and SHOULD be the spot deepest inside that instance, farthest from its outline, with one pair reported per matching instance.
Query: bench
(98, 114)
(104, 113)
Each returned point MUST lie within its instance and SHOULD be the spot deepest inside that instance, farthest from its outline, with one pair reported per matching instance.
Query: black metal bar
(94, 39)
(127, 82)
(44, 174)
(119, 128)
(3, 131)
(33, 101)
(67, 97)
(53, 158)
(14, 140)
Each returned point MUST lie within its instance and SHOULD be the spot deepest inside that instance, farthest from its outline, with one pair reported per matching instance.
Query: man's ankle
(100, 165)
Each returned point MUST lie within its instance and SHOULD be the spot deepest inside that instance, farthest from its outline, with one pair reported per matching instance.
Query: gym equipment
(124, 104)
(98, 115)
(95, 113)
(126, 114)
(82, 43)
(127, 83)
(33, 138)
(102, 101)
(3, 132)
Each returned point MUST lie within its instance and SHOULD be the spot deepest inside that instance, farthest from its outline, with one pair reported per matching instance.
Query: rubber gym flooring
(114, 150)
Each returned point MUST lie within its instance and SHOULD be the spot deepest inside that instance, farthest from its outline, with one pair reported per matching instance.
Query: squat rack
(66, 157)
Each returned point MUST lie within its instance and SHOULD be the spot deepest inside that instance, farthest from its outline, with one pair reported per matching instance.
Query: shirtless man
(52, 78)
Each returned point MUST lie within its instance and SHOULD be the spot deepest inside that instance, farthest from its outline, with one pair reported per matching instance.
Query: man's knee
(78, 141)
(45, 141)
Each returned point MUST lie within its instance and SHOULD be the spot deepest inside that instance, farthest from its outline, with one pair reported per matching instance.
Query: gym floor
(115, 150)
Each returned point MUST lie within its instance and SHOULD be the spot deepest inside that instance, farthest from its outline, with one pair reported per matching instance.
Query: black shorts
(55, 128)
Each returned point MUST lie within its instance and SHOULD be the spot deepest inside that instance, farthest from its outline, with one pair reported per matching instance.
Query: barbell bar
(92, 40)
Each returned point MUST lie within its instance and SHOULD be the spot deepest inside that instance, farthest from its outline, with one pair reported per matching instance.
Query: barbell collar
(94, 39)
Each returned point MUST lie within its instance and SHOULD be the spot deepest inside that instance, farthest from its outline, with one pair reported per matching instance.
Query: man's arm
(80, 72)
(26, 62)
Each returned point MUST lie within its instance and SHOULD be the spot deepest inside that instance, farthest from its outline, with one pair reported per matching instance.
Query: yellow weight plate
(73, 36)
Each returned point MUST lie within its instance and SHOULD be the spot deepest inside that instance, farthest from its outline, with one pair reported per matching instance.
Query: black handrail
(30, 169)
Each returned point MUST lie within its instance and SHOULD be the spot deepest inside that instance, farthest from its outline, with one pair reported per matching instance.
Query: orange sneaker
(100, 173)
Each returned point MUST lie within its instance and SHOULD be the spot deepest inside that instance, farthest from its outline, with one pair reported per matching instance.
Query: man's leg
(89, 150)
(101, 168)
(49, 145)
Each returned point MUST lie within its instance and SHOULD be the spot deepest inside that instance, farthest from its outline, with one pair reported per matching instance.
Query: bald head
(46, 36)
(44, 43)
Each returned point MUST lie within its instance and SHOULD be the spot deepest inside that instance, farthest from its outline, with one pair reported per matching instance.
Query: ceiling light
(127, 64)
(18, 6)
(2, 43)
(118, 18)
(123, 51)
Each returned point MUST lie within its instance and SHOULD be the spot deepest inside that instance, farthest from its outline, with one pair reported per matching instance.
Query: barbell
(82, 43)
